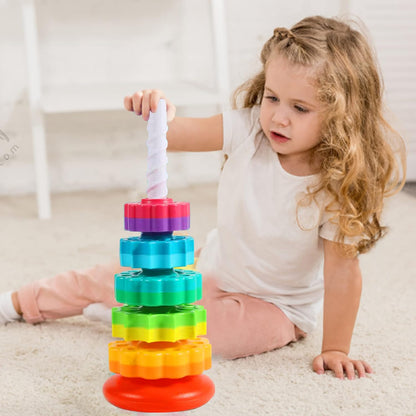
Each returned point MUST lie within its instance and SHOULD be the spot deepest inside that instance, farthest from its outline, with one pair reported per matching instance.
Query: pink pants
(238, 325)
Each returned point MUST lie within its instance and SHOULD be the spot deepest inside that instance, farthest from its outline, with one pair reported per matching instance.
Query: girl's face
(290, 114)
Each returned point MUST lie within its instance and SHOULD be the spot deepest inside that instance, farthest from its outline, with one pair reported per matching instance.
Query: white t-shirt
(258, 247)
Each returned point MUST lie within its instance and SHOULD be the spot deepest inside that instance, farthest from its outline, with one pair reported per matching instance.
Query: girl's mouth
(279, 138)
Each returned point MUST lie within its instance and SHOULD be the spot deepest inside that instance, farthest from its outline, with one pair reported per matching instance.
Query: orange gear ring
(160, 359)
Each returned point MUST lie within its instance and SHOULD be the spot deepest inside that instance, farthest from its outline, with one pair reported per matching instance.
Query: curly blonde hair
(357, 153)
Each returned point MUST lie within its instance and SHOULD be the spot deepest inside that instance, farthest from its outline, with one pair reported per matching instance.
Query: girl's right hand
(142, 102)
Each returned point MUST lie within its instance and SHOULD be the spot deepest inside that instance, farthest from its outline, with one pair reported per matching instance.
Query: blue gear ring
(160, 251)
(161, 288)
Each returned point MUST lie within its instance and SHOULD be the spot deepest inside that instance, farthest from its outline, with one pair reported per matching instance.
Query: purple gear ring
(156, 225)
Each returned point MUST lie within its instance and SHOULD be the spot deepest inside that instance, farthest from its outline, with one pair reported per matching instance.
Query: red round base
(162, 395)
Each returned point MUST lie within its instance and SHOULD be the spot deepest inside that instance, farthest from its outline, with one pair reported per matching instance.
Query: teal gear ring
(158, 287)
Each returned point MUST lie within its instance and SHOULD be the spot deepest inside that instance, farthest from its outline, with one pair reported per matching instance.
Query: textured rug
(58, 368)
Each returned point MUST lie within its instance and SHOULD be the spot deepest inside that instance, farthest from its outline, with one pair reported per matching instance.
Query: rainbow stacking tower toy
(159, 364)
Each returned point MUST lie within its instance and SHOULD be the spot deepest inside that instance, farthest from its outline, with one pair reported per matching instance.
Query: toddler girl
(309, 160)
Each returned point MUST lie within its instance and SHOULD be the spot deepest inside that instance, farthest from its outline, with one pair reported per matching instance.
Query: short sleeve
(329, 229)
(238, 126)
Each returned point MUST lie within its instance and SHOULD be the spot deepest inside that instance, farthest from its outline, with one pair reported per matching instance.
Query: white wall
(89, 41)
(393, 31)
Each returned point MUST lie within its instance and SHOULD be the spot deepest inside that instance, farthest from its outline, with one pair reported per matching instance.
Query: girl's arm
(195, 134)
(342, 283)
(188, 134)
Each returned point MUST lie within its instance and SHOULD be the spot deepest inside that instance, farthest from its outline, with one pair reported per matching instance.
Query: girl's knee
(239, 326)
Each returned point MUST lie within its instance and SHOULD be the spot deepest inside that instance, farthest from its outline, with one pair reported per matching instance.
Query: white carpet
(58, 368)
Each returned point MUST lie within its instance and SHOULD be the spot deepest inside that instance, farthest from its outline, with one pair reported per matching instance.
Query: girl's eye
(301, 109)
(272, 98)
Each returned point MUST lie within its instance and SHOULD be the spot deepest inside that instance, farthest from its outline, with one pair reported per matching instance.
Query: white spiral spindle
(156, 153)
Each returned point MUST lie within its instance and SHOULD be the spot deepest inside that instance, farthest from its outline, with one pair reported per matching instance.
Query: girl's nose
(280, 118)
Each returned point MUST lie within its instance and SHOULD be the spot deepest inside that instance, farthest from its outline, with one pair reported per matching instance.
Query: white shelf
(44, 99)
(102, 97)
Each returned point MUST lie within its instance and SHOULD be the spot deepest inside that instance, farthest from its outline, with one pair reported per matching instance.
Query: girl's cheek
(262, 124)
(263, 115)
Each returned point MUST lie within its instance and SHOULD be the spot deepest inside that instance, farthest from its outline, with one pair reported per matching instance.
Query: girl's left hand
(339, 362)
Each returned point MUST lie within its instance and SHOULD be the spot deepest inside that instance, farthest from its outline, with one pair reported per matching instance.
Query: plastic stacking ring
(157, 360)
(157, 215)
(168, 323)
(162, 395)
(156, 251)
(159, 288)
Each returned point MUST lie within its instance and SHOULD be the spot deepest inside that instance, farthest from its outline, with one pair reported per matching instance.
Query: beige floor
(58, 368)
